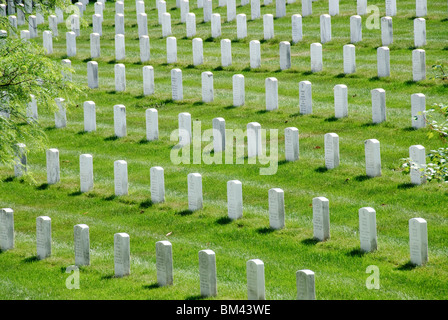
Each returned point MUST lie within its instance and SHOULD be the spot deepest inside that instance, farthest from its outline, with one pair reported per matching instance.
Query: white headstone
(241, 26)
(32, 108)
(255, 12)
(60, 117)
(25, 34)
(194, 191)
(157, 184)
(378, 105)
(191, 25)
(276, 208)
(216, 25)
(20, 160)
(71, 43)
(99, 8)
(184, 122)
(198, 56)
(145, 52)
(207, 86)
(161, 9)
(239, 95)
(75, 27)
(421, 8)
(207, 273)
(255, 54)
(89, 116)
(226, 53)
(307, 8)
(291, 144)
(164, 263)
(58, 12)
(120, 48)
(331, 150)
(184, 10)
(171, 50)
(349, 53)
(97, 24)
(6, 229)
(321, 218)
(231, 10)
(95, 48)
(383, 62)
(305, 285)
(207, 10)
(418, 65)
(325, 28)
(373, 158)
(219, 134)
(32, 26)
(139, 7)
(119, 23)
(86, 172)
(234, 199)
(418, 241)
(121, 177)
(316, 57)
(417, 154)
(419, 32)
(120, 120)
(355, 29)
(148, 80)
(271, 92)
(418, 107)
(387, 31)
(92, 74)
(43, 237)
(255, 280)
(340, 101)
(333, 7)
(254, 147)
(176, 84)
(367, 229)
(296, 25)
(280, 8)
(53, 25)
(361, 7)
(122, 255)
(166, 24)
(53, 166)
(82, 245)
(142, 22)
(285, 55)
(268, 26)
(305, 97)
(120, 77)
(152, 124)
(391, 8)
(119, 7)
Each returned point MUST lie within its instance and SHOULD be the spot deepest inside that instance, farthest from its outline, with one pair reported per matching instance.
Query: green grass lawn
(339, 266)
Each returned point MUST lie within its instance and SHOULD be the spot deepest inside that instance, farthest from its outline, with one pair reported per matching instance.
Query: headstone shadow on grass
(30, 259)
(406, 266)
(195, 297)
(43, 186)
(310, 241)
(151, 286)
(265, 230)
(356, 253)
(223, 220)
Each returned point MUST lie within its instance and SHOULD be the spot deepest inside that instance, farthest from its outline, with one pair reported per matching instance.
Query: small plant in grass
(439, 72)
(437, 164)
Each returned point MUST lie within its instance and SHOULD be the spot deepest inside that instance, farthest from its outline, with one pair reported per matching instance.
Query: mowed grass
(339, 265)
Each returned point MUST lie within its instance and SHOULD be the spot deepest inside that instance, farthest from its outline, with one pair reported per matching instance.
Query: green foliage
(439, 72)
(437, 164)
(25, 70)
